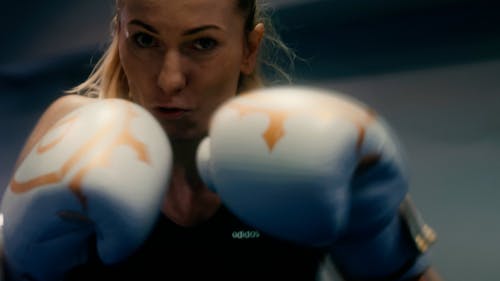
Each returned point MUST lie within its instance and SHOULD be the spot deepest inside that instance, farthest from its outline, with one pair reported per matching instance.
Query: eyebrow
(144, 25)
(188, 32)
(201, 28)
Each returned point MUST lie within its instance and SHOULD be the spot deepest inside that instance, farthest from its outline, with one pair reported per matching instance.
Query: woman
(180, 59)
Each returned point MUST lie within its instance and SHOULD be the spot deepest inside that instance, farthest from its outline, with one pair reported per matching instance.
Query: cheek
(220, 84)
(223, 73)
(212, 90)
(225, 76)
(139, 77)
(126, 62)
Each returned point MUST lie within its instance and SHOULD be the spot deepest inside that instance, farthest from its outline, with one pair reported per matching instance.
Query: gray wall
(449, 121)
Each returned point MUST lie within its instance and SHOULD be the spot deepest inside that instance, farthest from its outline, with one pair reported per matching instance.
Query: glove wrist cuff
(390, 254)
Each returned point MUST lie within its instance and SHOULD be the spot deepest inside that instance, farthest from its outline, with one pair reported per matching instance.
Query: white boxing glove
(101, 170)
(314, 167)
(282, 159)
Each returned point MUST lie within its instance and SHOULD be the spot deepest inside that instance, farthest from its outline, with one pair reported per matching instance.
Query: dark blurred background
(430, 67)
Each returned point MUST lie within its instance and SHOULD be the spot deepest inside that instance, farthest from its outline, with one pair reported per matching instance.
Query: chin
(184, 135)
(184, 132)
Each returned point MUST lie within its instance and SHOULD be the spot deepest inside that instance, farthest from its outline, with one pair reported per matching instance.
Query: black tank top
(222, 248)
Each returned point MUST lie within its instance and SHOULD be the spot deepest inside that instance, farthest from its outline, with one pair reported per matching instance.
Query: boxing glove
(311, 166)
(101, 170)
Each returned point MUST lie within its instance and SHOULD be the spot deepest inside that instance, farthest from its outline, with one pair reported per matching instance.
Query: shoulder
(57, 110)
(60, 108)
(54, 112)
(64, 105)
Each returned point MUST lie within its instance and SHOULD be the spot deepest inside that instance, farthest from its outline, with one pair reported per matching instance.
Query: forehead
(182, 11)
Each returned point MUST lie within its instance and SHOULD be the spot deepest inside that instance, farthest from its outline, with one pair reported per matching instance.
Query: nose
(172, 78)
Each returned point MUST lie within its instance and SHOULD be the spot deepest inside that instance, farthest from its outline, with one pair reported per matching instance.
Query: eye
(144, 40)
(204, 44)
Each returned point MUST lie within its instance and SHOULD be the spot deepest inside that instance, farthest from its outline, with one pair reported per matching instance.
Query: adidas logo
(245, 234)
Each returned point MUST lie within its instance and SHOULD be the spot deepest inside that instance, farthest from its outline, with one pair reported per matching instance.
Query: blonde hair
(108, 79)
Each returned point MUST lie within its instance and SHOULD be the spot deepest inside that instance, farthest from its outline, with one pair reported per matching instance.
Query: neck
(185, 160)
(188, 199)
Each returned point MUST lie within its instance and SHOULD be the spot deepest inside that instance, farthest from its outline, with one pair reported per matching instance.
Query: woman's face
(183, 58)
